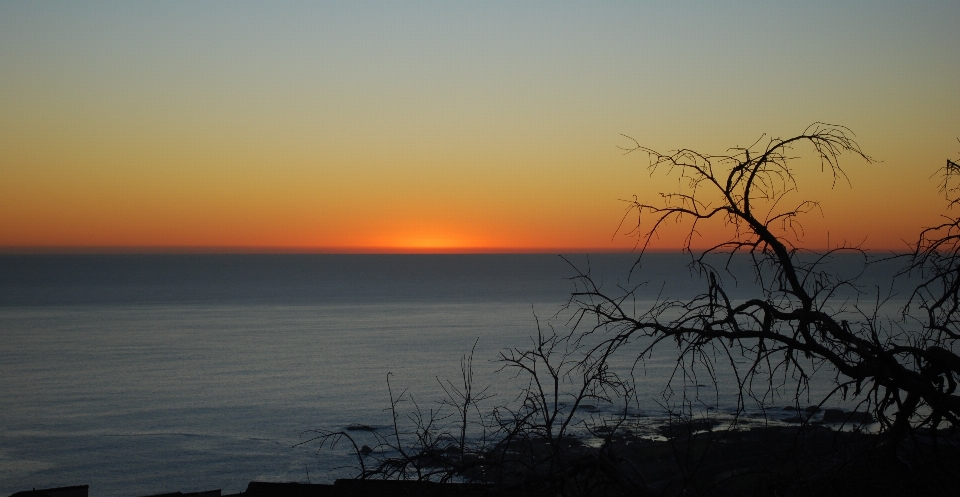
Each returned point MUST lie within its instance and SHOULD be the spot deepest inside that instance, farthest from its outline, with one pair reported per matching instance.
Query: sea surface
(143, 374)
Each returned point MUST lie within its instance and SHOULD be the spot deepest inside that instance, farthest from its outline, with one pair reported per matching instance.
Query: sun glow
(431, 243)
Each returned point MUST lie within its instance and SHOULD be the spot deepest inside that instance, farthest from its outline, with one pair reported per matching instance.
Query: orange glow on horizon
(144, 249)
(140, 128)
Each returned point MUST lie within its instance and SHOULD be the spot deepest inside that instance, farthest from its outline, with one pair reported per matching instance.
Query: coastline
(692, 459)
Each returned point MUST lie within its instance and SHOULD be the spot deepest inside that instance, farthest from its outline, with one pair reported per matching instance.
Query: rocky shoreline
(693, 458)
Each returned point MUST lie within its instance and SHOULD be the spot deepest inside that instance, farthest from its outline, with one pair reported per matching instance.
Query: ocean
(143, 374)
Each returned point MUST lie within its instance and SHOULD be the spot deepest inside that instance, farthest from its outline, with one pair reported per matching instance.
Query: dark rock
(206, 493)
(359, 427)
(271, 489)
(360, 488)
(833, 416)
(74, 491)
(839, 416)
(686, 428)
(859, 417)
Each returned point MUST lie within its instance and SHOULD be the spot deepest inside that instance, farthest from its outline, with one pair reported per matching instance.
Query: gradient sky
(472, 126)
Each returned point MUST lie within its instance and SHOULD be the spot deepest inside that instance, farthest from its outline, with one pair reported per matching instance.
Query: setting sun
(429, 243)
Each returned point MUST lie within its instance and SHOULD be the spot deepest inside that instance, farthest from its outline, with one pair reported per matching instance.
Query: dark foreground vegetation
(693, 459)
(758, 458)
(803, 319)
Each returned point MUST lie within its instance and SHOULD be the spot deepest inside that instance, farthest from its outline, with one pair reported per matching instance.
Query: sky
(452, 126)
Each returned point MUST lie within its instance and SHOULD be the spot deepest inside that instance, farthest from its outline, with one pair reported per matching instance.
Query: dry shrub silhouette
(804, 318)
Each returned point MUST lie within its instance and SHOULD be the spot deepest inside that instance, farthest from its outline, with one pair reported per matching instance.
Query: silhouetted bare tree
(904, 371)
(790, 324)
(901, 367)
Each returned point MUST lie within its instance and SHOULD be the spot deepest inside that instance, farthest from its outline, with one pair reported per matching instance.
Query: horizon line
(227, 250)
(280, 250)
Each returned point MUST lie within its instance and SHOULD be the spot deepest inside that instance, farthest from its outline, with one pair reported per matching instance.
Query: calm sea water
(141, 374)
